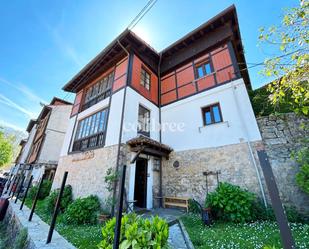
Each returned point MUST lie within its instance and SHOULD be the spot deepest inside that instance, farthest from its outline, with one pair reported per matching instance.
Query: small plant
(83, 211)
(231, 203)
(110, 179)
(194, 206)
(65, 200)
(21, 239)
(44, 192)
(136, 233)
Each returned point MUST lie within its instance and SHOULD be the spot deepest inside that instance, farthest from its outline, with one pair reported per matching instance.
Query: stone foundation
(233, 161)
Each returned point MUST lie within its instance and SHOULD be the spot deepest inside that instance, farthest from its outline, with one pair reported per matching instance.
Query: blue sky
(43, 44)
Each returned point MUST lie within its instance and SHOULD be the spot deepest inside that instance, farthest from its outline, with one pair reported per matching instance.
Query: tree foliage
(6, 149)
(290, 65)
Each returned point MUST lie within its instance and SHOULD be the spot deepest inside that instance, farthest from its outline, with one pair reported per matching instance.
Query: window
(203, 69)
(212, 114)
(143, 121)
(99, 91)
(145, 78)
(90, 131)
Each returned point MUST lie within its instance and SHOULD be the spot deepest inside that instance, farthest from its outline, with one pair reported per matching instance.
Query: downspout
(121, 125)
(248, 143)
(160, 130)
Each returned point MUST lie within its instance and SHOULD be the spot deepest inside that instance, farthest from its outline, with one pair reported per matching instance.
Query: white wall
(195, 135)
(55, 133)
(133, 100)
(28, 144)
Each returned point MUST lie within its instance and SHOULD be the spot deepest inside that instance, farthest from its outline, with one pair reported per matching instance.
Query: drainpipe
(160, 130)
(121, 125)
(244, 127)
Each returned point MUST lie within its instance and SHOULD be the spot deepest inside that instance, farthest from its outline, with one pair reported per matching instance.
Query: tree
(6, 149)
(290, 66)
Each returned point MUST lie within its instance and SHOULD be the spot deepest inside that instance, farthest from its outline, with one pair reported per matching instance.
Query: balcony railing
(93, 141)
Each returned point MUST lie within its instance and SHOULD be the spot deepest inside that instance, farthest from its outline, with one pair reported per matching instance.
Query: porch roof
(146, 145)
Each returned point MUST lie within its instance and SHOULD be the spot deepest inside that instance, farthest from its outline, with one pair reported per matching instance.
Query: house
(40, 152)
(182, 113)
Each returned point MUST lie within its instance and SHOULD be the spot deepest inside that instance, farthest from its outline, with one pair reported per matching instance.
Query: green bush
(194, 206)
(231, 203)
(21, 239)
(136, 233)
(65, 200)
(45, 189)
(82, 211)
(259, 212)
(302, 158)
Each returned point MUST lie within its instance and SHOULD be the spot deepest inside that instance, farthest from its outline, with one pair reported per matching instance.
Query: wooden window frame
(145, 133)
(99, 96)
(202, 64)
(143, 78)
(83, 133)
(210, 108)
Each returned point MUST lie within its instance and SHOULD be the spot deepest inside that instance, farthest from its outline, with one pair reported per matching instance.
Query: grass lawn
(82, 236)
(249, 235)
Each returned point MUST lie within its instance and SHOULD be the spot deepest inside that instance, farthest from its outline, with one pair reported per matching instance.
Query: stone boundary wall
(281, 135)
(16, 220)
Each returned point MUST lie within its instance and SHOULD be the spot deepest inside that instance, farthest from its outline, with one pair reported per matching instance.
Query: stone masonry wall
(233, 161)
(281, 135)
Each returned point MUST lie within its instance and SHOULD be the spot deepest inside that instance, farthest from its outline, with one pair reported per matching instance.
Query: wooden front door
(140, 188)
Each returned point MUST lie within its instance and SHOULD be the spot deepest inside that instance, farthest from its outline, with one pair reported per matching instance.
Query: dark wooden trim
(133, 88)
(206, 89)
(211, 113)
(213, 68)
(233, 58)
(148, 72)
(176, 83)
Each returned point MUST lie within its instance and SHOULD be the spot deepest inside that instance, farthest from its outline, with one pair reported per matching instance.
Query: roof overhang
(115, 51)
(31, 123)
(62, 101)
(221, 28)
(148, 146)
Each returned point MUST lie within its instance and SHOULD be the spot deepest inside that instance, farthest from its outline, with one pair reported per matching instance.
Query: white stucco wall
(54, 134)
(133, 100)
(237, 119)
(28, 144)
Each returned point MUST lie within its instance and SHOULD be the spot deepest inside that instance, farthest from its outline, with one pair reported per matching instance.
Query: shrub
(302, 158)
(259, 212)
(65, 200)
(194, 206)
(45, 189)
(21, 239)
(231, 203)
(136, 233)
(82, 211)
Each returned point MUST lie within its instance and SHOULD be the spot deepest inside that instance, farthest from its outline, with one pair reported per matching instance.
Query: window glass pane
(96, 126)
(143, 119)
(208, 118)
(207, 68)
(216, 113)
(93, 122)
(102, 121)
(200, 72)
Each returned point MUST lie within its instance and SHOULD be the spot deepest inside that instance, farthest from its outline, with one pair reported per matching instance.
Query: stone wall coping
(37, 229)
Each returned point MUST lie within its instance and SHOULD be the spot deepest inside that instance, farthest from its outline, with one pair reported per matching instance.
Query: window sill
(85, 150)
(224, 123)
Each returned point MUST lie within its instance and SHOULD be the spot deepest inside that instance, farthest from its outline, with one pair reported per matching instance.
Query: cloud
(13, 126)
(25, 91)
(12, 104)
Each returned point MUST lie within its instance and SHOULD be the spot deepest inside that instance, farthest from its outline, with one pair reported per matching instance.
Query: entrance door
(140, 188)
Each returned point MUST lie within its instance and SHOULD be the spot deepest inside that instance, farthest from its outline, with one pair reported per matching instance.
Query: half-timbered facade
(170, 116)
(40, 151)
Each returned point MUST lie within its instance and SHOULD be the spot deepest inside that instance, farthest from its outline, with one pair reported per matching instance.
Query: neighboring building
(196, 89)
(39, 154)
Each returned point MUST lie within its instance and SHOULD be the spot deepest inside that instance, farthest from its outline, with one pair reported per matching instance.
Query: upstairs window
(90, 131)
(145, 78)
(99, 91)
(212, 114)
(203, 69)
(143, 121)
